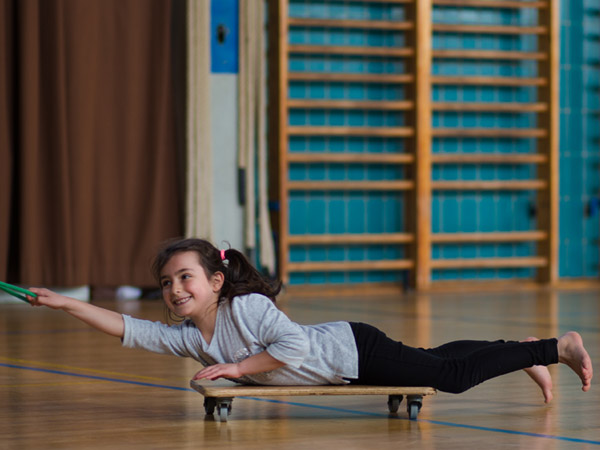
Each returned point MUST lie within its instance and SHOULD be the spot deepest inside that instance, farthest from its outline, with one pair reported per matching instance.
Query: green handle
(16, 291)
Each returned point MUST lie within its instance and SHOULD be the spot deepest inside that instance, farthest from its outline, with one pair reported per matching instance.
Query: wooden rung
(484, 158)
(487, 81)
(402, 78)
(384, 105)
(487, 263)
(341, 239)
(337, 266)
(336, 289)
(351, 50)
(399, 2)
(398, 185)
(493, 185)
(490, 132)
(352, 158)
(489, 29)
(514, 236)
(514, 4)
(489, 54)
(350, 23)
(490, 106)
(350, 131)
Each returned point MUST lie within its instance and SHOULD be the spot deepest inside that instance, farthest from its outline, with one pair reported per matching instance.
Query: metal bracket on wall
(592, 207)
(222, 33)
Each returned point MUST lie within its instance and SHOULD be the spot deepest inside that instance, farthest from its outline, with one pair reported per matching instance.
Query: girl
(234, 329)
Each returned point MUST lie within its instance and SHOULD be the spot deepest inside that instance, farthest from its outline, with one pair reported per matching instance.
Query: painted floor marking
(45, 364)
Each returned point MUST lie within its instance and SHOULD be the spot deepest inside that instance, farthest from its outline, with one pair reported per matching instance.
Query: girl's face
(185, 288)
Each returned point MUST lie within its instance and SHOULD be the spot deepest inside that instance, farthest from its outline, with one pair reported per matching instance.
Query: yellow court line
(50, 384)
(82, 369)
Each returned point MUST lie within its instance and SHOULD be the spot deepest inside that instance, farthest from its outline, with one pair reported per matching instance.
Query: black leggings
(453, 367)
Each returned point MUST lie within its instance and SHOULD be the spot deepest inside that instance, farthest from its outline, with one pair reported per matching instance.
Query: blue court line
(513, 432)
(308, 405)
(433, 422)
(95, 377)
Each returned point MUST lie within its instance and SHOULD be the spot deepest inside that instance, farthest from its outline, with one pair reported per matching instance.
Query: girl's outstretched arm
(109, 322)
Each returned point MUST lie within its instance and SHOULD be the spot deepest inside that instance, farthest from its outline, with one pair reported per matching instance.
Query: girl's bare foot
(572, 353)
(541, 375)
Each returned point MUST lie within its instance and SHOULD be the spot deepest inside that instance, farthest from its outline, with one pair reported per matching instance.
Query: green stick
(16, 291)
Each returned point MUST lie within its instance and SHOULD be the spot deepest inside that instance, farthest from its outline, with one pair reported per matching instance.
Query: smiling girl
(233, 328)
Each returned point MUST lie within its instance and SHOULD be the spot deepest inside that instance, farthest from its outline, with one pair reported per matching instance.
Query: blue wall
(580, 139)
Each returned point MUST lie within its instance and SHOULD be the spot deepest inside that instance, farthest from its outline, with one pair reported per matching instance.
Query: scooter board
(220, 396)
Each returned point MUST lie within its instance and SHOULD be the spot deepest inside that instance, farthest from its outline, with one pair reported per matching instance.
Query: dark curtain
(6, 131)
(89, 182)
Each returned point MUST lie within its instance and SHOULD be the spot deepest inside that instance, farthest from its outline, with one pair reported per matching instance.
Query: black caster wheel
(209, 405)
(394, 403)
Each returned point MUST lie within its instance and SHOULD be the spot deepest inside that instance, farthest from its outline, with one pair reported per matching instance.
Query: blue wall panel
(224, 51)
(579, 144)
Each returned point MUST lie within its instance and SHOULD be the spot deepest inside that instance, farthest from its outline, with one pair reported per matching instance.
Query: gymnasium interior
(429, 167)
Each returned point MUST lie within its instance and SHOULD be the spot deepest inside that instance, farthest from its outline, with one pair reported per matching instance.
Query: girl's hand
(219, 371)
(46, 297)
(261, 362)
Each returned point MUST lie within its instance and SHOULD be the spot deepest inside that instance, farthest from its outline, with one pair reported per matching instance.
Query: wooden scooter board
(221, 396)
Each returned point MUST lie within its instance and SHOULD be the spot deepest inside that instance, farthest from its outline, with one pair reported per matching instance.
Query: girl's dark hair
(241, 277)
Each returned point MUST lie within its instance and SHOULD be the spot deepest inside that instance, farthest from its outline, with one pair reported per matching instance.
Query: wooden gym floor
(66, 386)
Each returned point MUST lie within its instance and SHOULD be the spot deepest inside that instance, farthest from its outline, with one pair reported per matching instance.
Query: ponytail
(242, 278)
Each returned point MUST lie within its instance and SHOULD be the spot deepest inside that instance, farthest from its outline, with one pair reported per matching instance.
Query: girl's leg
(571, 352)
(539, 374)
(383, 361)
(459, 348)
